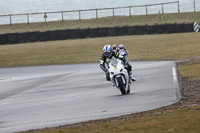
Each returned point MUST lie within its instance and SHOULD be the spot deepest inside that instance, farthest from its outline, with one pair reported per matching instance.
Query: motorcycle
(119, 75)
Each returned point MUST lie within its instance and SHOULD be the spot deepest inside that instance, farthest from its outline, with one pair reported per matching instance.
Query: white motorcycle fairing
(119, 75)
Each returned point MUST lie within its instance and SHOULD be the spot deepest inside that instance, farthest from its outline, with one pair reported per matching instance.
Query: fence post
(10, 20)
(113, 13)
(62, 17)
(146, 11)
(162, 9)
(130, 11)
(45, 18)
(178, 7)
(194, 5)
(79, 15)
(96, 14)
(28, 18)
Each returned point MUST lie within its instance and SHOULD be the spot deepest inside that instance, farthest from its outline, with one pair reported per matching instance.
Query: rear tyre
(121, 86)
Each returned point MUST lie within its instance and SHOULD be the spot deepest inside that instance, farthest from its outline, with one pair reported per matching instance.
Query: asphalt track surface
(49, 96)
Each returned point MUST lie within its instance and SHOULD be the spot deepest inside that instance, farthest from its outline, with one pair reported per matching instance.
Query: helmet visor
(107, 54)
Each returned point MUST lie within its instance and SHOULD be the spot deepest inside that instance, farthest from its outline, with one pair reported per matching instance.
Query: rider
(106, 57)
(121, 48)
(114, 46)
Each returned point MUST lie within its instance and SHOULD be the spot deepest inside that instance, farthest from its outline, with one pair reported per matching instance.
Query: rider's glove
(126, 64)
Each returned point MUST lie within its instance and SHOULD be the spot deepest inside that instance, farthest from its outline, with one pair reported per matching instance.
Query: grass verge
(183, 120)
(103, 22)
(141, 48)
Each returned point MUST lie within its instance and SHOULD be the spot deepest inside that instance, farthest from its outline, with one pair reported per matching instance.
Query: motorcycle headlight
(121, 70)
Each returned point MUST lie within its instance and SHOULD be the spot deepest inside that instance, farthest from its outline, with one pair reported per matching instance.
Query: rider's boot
(131, 77)
(107, 76)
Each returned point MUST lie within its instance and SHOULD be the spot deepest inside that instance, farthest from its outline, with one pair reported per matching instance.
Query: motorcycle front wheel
(121, 85)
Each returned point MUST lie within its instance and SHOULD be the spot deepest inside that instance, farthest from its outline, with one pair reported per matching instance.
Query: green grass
(142, 48)
(182, 120)
(103, 22)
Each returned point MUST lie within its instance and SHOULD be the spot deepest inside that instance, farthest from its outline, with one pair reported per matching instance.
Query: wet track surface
(49, 96)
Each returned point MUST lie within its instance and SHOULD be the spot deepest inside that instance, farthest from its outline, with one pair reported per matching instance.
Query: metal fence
(96, 14)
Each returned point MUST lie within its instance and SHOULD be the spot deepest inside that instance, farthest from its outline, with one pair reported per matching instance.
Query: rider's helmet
(107, 50)
(121, 46)
(114, 46)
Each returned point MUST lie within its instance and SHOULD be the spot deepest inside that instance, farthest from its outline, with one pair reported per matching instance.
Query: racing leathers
(105, 60)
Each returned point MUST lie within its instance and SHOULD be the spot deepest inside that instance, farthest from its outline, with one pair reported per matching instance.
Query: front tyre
(129, 89)
(121, 85)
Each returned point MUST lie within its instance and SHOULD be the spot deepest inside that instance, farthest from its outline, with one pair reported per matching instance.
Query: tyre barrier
(13, 38)
(141, 29)
(188, 27)
(23, 37)
(131, 30)
(43, 36)
(103, 32)
(160, 28)
(83, 33)
(171, 28)
(33, 36)
(63, 34)
(122, 31)
(112, 31)
(151, 29)
(93, 32)
(180, 28)
(3, 39)
(73, 33)
(53, 35)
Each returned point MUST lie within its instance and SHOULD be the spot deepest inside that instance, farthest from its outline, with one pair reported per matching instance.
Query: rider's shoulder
(102, 56)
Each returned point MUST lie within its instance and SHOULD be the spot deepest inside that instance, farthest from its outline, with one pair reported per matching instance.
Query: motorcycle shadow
(120, 95)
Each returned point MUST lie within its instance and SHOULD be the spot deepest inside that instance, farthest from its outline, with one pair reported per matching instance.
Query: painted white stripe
(174, 72)
(176, 82)
(196, 27)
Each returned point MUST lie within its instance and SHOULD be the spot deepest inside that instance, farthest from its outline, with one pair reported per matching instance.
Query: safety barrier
(103, 32)
(23, 37)
(141, 29)
(3, 39)
(121, 31)
(180, 28)
(43, 36)
(131, 30)
(188, 27)
(93, 32)
(83, 33)
(53, 35)
(35, 36)
(171, 28)
(151, 29)
(63, 34)
(160, 28)
(13, 38)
